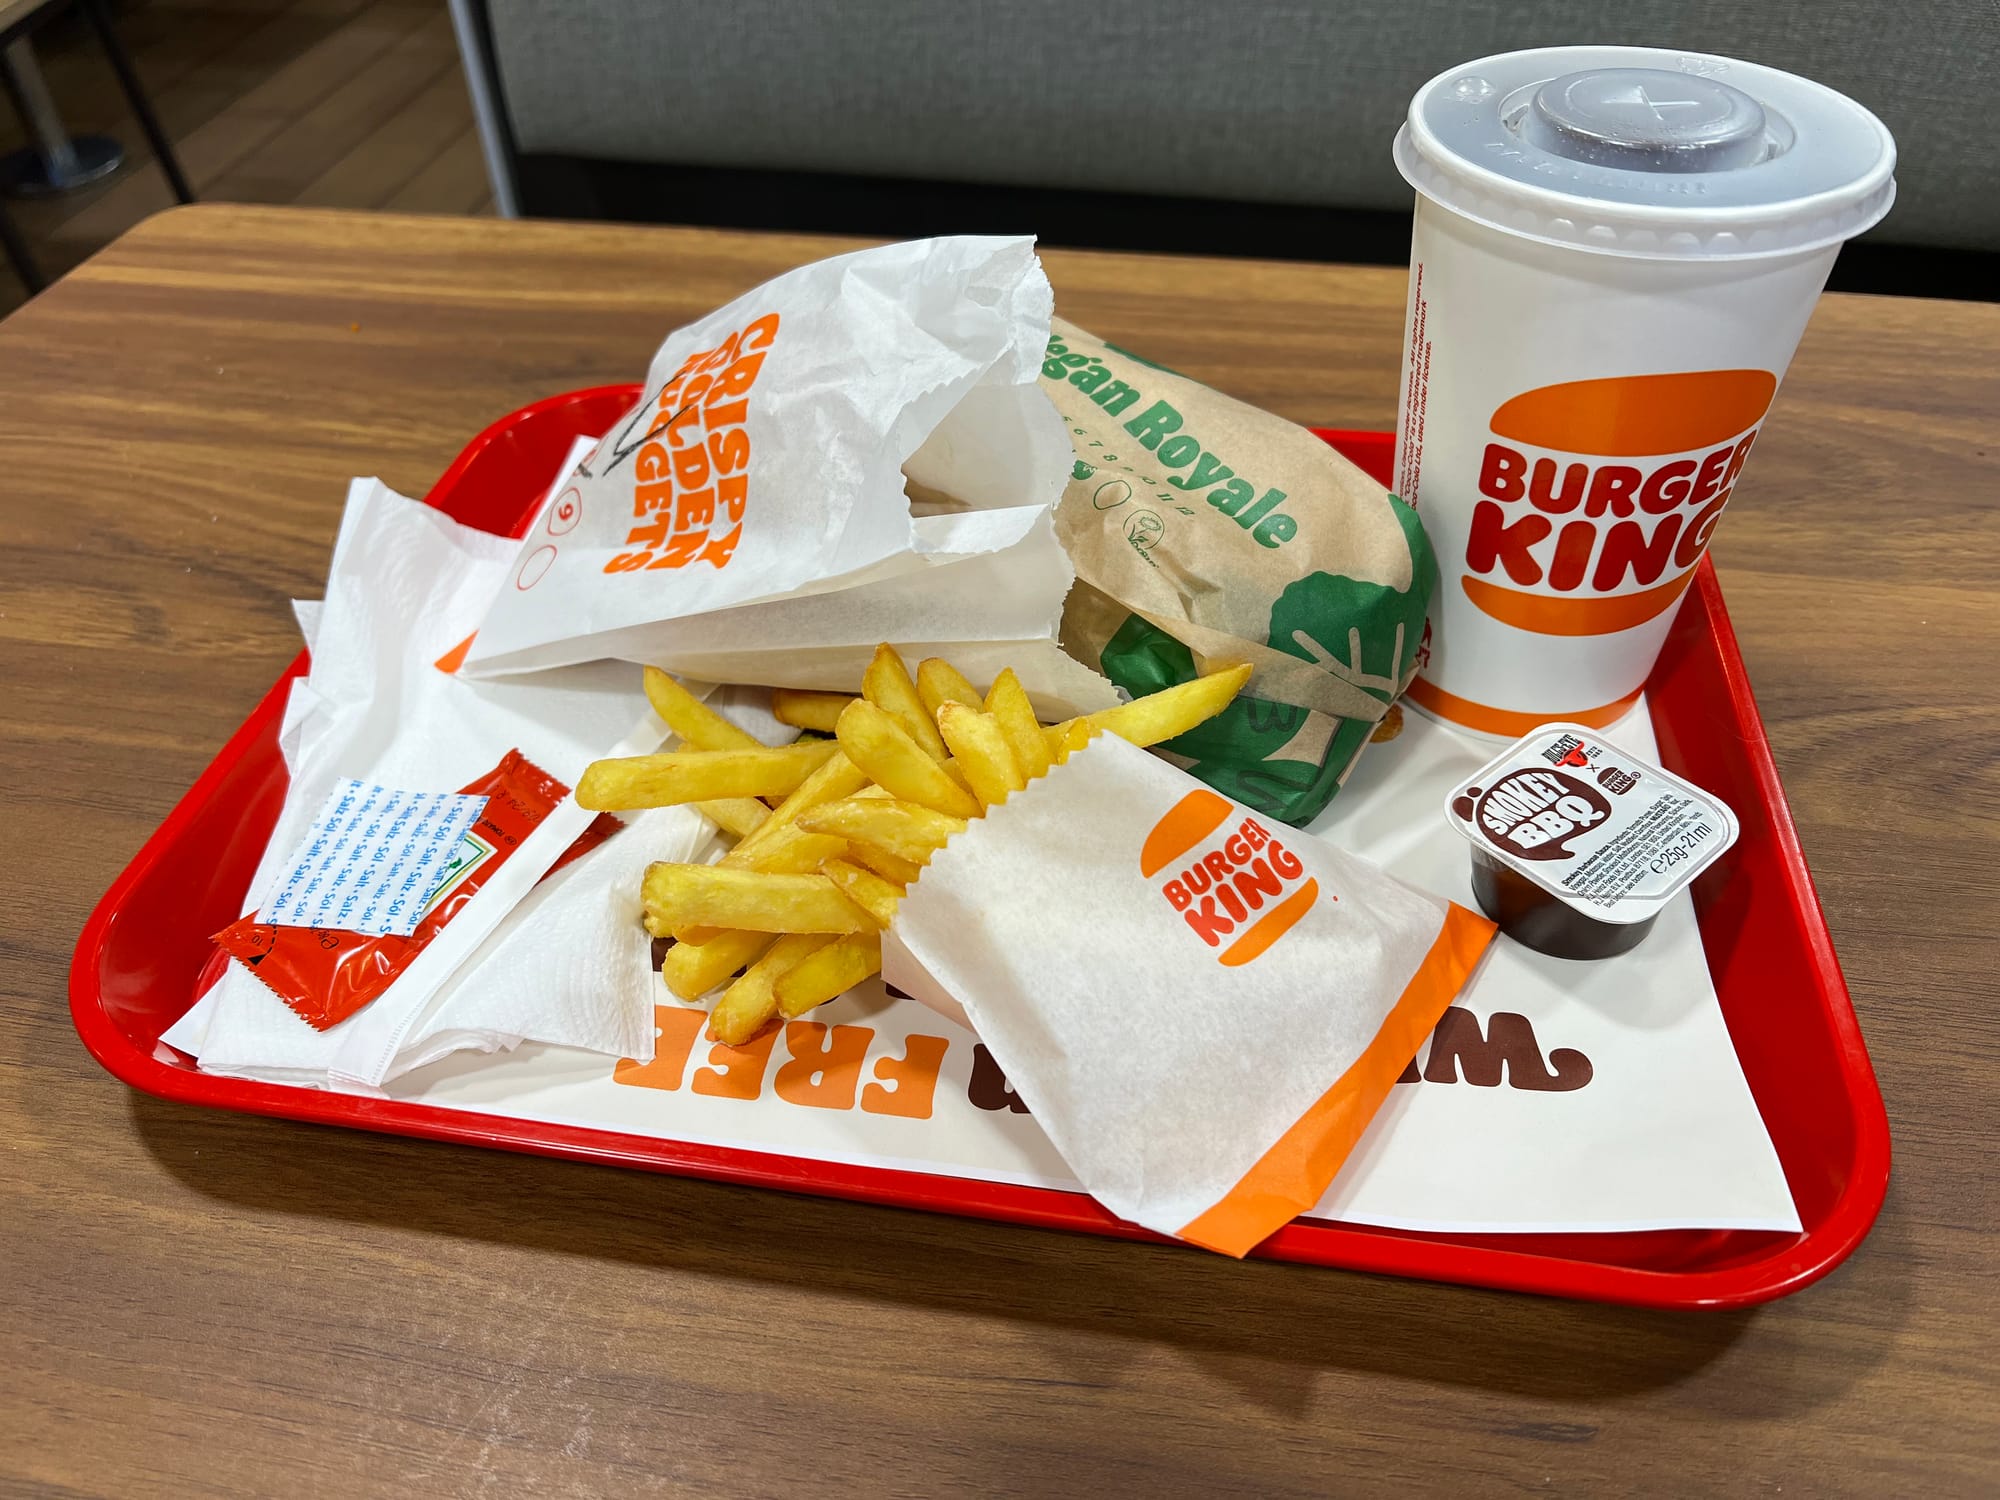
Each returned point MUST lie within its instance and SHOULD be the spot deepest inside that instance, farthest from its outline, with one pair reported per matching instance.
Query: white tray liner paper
(1663, 1135)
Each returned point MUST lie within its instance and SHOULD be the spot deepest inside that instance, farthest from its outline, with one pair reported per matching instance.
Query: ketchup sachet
(326, 974)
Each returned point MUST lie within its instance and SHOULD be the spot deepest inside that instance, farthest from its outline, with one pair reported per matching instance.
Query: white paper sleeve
(1201, 1008)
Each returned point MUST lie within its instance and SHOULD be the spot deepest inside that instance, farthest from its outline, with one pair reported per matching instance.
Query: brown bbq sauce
(1535, 919)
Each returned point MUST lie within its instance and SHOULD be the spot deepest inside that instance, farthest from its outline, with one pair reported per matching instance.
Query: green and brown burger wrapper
(1202, 528)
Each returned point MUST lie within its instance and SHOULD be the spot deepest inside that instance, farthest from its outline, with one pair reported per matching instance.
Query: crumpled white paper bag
(775, 505)
(569, 965)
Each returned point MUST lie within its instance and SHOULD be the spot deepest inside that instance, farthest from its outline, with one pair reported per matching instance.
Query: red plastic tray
(140, 962)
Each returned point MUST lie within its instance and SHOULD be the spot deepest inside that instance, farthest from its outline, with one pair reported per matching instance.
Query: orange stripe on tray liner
(1293, 1175)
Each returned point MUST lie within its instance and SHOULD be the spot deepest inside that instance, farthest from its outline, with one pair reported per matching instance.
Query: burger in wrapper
(1202, 528)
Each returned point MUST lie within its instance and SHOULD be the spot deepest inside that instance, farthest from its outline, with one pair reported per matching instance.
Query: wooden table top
(205, 1302)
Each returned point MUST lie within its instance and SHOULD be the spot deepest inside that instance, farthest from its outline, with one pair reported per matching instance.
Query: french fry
(939, 683)
(865, 889)
(803, 710)
(878, 744)
(691, 970)
(1162, 715)
(1072, 737)
(702, 728)
(800, 904)
(904, 829)
(699, 776)
(887, 685)
(789, 851)
(699, 726)
(1008, 702)
(838, 778)
(891, 867)
(749, 1005)
(741, 816)
(981, 750)
(654, 926)
(828, 973)
(716, 896)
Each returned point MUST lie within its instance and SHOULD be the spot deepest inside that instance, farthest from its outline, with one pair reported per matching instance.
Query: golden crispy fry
(887, 685)
(828, 972)
(748, 1005)
(803, 710)
(1175, 710)
(981, 749)
(904, 829)
(800, 903)
(891, 867)
(1070, 737)
(839, 777)
(654, 926)
(939, 683)
(741, 816)
(789, 851)
(716, 896)
(865, 889)
(691, 970)
(1008, 702)
(878, 744)
(699, 776)
(1162, 715)
(699, 726)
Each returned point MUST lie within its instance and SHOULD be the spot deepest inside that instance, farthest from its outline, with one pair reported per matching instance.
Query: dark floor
(341, 103)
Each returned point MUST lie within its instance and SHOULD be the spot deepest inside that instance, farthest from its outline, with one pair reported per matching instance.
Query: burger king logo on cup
(1596, 498)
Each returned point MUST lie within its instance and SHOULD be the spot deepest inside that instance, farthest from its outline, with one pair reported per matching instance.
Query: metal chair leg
(18, 253)
(128, 78)
(56, 162)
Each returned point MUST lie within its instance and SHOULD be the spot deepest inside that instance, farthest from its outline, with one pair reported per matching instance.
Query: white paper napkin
(406, 584)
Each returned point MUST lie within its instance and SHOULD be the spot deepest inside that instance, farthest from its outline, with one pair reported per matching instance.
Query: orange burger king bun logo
(1246, 888)
(1593, 486)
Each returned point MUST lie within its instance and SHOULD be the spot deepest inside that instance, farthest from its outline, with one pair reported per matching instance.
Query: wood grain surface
(195, 1302)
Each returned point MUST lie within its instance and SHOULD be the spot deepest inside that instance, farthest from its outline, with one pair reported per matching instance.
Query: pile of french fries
(832, 832)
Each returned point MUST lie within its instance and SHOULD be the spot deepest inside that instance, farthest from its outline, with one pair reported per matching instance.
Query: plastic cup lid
(1648, 152)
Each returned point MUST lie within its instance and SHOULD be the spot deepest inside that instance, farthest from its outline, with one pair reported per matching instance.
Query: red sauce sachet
(327, 974)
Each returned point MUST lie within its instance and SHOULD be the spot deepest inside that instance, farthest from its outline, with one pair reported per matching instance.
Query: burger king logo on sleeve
(1598, 497)
(1237, 887)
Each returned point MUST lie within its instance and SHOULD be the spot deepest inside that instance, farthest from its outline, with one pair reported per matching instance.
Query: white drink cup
(1615, 253)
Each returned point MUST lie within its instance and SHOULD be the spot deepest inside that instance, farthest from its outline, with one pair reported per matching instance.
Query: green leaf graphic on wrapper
(1230, 751)
(1369, 628)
